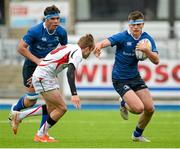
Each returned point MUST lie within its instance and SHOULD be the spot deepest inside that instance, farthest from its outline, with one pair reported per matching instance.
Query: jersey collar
(128, 30)
(47, 29)
(44, 25)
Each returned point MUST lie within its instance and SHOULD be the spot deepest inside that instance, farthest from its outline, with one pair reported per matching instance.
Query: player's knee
(138, 109)
(32, 96)
(150, 109)
(62, 108)
(30, 103)
(31, 99)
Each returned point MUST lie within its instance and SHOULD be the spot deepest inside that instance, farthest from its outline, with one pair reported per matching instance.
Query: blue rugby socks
(123, 103)
(20, 104)
(138, 132)
(44, 115)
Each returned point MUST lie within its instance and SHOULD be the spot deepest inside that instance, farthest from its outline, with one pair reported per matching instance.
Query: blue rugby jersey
(126, 63)
(41, 43)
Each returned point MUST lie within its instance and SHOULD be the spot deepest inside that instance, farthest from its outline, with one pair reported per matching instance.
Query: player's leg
(118, 86)
(56, 109)
(133, 103)
(136, 106)
(130, 101)
(27, 100)
(147, 100)
(143, 93)
(30, 98)
(123, 109)
(146, 116)
(18, 116)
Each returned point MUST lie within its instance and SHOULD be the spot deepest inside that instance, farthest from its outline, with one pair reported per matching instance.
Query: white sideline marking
(89, 122)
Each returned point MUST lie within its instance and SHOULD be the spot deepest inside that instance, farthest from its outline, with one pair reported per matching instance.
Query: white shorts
(44, 84)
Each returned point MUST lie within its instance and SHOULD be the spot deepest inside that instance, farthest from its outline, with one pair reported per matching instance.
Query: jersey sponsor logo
(128, 54)
(39, 47)
(43, 39)
(129, 43)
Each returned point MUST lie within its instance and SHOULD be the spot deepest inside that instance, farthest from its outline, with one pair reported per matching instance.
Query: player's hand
(76, 101)
(97, 53)
(39, 60)
(142, 46)
(29, 82)
(97, 50)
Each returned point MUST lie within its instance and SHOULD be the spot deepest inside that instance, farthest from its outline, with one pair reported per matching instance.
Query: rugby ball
(141, 55)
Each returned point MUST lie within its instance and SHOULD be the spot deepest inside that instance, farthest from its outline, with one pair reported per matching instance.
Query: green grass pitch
(95, 129)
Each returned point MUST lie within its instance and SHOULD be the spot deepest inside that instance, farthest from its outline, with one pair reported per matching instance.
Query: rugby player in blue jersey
(125, 75)
(34, 46)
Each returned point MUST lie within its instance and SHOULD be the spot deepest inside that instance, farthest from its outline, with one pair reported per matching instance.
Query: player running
(125, 75)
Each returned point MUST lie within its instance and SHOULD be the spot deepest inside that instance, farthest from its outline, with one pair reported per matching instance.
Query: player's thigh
(30, 89)
(27, 73)
(133, 101)
(50, 106)
(146, 99)
(123, 88)
(54, 98)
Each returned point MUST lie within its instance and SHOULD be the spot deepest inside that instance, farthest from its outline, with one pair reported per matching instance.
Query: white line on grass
(91, 122)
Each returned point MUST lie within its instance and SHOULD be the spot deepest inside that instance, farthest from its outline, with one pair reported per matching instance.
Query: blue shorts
(135, 84)
(27, 73)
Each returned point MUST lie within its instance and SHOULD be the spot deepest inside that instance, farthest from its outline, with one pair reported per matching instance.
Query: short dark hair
(51, 10)
(135, 15)
(86, 41)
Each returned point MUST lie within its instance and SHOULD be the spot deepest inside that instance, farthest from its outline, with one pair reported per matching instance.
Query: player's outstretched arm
(101, 45)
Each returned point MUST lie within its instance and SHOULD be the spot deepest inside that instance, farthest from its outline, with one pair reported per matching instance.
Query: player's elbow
(18, 48)
(156, 61)
(21, 47)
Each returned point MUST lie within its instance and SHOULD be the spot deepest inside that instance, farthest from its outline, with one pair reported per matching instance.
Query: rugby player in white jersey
(45, 82)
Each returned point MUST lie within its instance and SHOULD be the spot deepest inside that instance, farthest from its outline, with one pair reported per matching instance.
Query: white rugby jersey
(58, 59)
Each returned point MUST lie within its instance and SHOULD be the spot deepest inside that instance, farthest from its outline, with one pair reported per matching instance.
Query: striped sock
(30, 112)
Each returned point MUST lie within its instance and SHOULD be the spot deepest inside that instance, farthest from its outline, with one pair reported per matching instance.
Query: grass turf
(94, 129)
